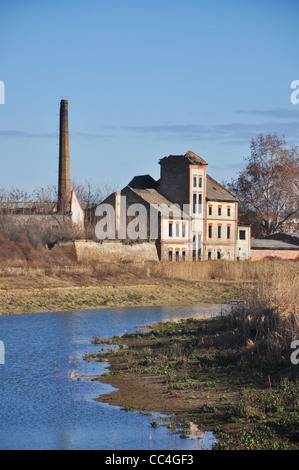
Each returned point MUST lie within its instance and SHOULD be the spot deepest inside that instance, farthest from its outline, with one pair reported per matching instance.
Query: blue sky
(144, 79)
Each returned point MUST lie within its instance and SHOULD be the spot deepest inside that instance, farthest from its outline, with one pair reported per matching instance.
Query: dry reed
(269, 321)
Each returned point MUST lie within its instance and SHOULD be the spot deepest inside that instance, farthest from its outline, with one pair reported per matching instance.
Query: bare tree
(45, 199)
(90, 194)
(268, 187)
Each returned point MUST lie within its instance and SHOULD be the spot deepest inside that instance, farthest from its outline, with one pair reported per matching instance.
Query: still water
(44, 406)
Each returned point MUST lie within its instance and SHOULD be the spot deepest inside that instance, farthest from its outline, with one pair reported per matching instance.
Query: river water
(44, 406)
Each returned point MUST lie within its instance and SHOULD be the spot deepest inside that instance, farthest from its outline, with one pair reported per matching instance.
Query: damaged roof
(153, 197)
(217, 192)
(190, 156)
(143, 182)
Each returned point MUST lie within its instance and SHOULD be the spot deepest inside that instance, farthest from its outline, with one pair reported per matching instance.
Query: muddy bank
(193, 369)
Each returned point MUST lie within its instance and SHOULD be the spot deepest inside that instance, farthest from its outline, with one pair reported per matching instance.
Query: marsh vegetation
(230, 374)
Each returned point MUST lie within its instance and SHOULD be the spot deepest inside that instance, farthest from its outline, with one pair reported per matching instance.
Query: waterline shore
(41, 293)
(190, 369)
(46, 288)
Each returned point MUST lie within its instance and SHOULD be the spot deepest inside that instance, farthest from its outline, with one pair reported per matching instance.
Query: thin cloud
(233, 132)
(24, 134)
(280, 113)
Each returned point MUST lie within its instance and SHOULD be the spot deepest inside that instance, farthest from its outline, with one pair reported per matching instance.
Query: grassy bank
(27, 287)
(231, 374)
(40, 292)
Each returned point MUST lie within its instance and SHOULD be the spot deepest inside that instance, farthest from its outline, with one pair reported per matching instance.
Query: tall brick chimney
(64, 181)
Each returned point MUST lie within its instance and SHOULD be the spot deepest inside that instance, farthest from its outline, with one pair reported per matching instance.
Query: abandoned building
(66, 211)
(188, 215)
(197, 217)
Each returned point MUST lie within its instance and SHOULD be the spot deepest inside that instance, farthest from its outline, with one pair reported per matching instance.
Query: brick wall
(283, 254)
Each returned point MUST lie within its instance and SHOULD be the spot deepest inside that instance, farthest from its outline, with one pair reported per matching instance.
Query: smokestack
(64, 182)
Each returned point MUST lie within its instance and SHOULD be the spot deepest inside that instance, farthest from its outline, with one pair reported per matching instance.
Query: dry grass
(29, 245)
(269, 321)
(213, 270)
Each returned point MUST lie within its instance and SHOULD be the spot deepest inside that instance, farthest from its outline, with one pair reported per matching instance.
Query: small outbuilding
(264, 248)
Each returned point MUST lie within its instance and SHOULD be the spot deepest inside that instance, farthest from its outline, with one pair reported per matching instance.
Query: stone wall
(39, 220)
(113, 251)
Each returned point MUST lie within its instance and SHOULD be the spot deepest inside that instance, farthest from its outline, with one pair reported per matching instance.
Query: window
(199, 203)
(177, 230)
(194, 203)
(194, 181)
(210, 210)
(199, 246)
(242, 235)
(183, 255)
(219, 231)
(194, 248)
(228, 231)
(218, 254)
(228, 212)
(170, 255)
(184, 230)
(199, 182)
(170, 229)
(219, 211)
(209, 255)
(199, 241)
(210, 231)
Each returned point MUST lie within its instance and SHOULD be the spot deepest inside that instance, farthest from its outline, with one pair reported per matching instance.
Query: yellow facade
(221, 230)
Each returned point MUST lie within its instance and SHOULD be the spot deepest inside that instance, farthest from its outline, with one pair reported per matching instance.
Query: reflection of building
(204, 225)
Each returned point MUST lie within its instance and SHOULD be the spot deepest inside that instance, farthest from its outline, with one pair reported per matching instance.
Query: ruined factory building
(204, 223)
